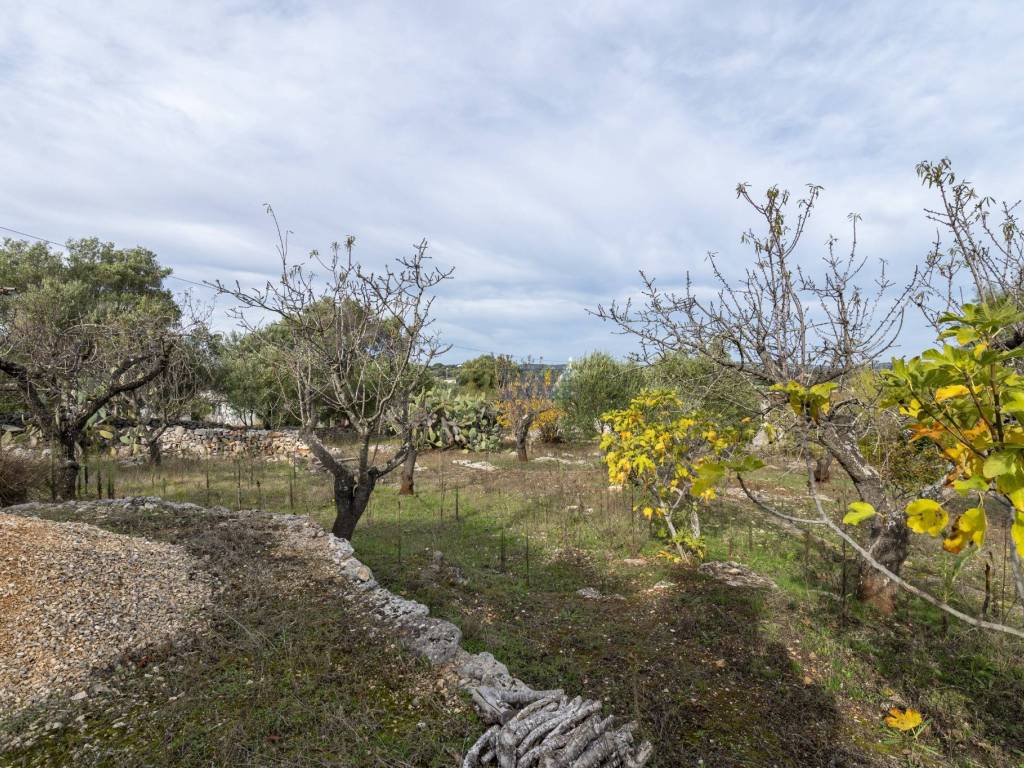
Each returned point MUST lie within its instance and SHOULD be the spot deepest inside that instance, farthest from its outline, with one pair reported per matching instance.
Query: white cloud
(547, 150)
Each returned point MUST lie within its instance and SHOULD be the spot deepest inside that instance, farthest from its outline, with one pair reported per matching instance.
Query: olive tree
(788, 329)
(252, 377)
(353, 342)
(78, 331)
(592, 386)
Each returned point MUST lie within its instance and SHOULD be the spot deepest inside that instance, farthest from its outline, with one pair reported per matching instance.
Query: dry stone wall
(527, 728)
(222, 442)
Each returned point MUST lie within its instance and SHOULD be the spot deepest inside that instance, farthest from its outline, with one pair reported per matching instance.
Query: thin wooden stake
(527, 561)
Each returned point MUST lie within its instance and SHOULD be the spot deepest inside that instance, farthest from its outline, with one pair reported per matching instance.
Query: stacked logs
(551, 731)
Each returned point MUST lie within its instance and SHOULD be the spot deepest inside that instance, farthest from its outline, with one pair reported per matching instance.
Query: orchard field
(687, 656)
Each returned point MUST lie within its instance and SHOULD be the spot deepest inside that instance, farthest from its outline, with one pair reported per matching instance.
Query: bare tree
(354, 343)
(778, 323)
(524, 396)
(983, 257)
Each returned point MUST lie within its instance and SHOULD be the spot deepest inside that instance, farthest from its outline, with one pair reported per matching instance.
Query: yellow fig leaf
(1017, 532)
(999, 463)
(926, 516)
(953, 390)
(969, 527)
(903, 719)
(974, 483)
(974, 523)
(931, 432)
(955, 542)
(859, 512)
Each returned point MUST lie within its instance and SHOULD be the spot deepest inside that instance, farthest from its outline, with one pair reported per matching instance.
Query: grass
(798, 676)
(288, 673)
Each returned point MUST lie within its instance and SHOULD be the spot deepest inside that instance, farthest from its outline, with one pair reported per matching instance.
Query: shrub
(484, 373)
(727, 397)
(591, 386)
(21, 479)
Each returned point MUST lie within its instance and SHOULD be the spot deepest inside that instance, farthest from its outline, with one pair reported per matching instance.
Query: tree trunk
(67, 472)
(522, 434)
(823, 469)
(155, 455)
(521, 449)
(408, 474)
(350, 501)
(889, 533)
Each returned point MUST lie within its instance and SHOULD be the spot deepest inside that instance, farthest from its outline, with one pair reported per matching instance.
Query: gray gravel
(74, 598)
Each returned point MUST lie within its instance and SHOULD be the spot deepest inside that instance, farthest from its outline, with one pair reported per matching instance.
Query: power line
(35, 237)
(64, 248)
(205, 285)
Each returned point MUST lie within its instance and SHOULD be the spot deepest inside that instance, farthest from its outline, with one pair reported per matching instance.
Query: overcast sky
(546, 150)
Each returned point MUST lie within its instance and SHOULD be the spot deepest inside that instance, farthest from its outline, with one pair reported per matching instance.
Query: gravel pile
(74, 598)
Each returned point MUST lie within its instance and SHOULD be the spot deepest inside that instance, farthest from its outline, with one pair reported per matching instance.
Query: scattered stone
(559, 460)
(438, 569)
(484, 466)
(735, 575)
(589, 593)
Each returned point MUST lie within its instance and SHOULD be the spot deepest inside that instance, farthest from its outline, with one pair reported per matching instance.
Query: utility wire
(205, 285)
(64, 248)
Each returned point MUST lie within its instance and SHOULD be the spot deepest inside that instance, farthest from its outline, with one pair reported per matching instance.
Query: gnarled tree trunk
(155, 454)
(351, 497)
(823, 469)
(889, 533)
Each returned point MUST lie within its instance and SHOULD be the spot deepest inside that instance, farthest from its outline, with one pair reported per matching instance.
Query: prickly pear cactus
(458, 421)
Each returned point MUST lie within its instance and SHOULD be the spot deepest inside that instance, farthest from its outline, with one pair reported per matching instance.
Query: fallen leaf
(903, 719)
